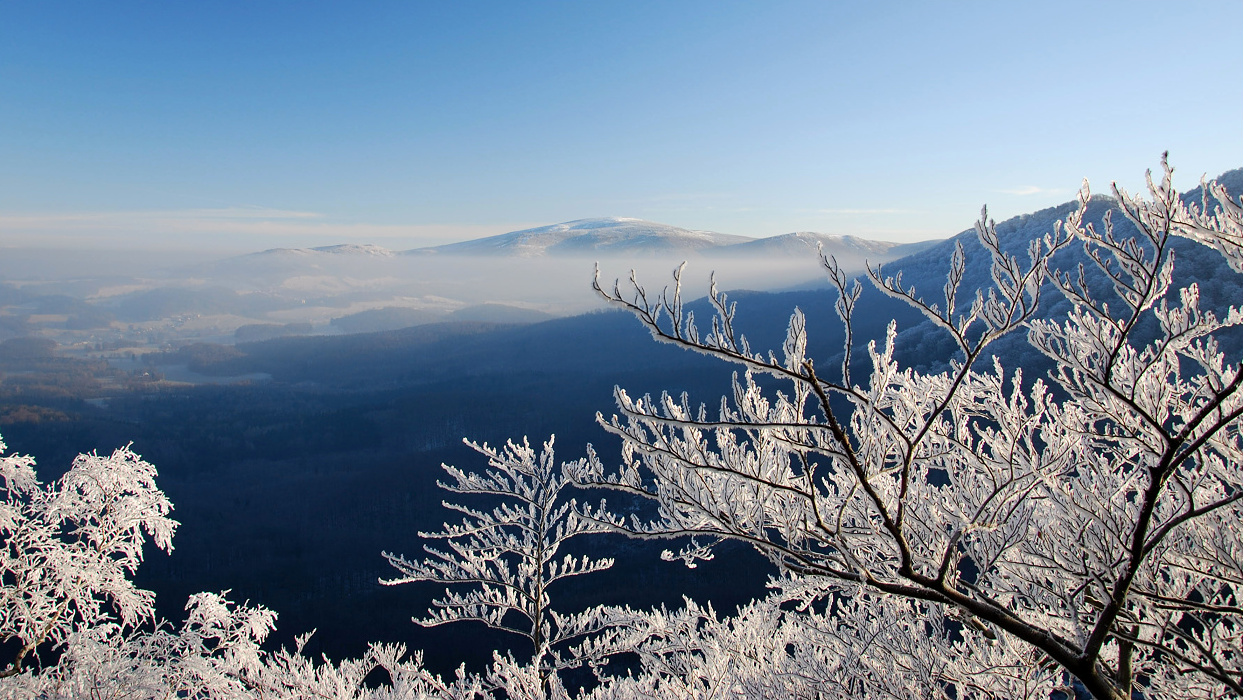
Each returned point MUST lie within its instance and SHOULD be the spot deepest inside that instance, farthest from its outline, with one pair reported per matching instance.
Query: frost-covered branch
(70, 548)
(507, 558)
(1091, 518)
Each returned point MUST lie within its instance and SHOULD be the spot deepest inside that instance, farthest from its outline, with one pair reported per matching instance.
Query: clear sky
(251, 125)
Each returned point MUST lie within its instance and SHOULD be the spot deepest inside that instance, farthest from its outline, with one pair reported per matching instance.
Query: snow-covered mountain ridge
(340, 249)
(808, 242)
(626, 237)
(591, 237)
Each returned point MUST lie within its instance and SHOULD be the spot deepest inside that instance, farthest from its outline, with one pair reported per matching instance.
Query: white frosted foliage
(501, 562)
(71, 547)
(1085, 524)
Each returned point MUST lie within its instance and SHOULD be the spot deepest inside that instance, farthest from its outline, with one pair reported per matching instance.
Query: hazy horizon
(240, 127)
(170, 246)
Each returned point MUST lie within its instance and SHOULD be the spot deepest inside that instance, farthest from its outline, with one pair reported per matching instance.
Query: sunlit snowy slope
(591, 237)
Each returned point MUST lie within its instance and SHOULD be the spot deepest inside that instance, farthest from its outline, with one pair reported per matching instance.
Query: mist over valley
(115, 305)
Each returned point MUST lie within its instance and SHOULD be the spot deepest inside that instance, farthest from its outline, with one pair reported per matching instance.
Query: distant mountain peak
(851, 252)
(355, 249)
(597, 222)
(592, 237)
(340, 249)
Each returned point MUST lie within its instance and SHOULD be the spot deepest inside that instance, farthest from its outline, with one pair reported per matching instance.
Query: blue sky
(252, 125)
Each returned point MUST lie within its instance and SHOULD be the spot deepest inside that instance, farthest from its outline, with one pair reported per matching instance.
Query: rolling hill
(591, 237)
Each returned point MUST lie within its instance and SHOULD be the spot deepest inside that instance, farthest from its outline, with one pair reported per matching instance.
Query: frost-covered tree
(79, 627)
(501, 562)
(1020, 532)
(810, 640)
(70, 548)
(216, 655)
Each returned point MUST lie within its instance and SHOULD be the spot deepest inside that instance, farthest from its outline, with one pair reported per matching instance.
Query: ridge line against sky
(257, 125)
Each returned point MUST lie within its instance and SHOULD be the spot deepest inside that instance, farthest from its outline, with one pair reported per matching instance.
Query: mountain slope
(591, 237)
(340, 249)
(927, 270)
(926, 273)
(851, 252)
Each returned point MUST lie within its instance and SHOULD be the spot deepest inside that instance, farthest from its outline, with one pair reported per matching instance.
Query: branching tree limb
(507, 558)
(1093, 519)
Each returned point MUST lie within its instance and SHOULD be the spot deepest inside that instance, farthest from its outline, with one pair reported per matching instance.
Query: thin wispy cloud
(40, 220)
(854, 212)
(683, 197)
(675, 201)
(238, 223)
(1026, 190)
(239, 213)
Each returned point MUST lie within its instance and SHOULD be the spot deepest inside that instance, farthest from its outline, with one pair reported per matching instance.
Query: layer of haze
(242, 126)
